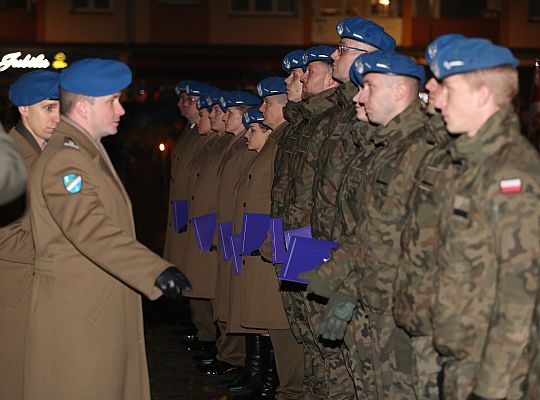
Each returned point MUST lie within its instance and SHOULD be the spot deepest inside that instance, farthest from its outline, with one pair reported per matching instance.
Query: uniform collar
(293, 111)
(436, 131)
(319, 103)
(401, 125)
(27, 135)
(345, 93)
(489, 139)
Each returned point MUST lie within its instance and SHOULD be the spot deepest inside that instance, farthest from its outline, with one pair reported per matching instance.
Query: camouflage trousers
(392, 358)
(358, 357)
(325, 373)
(427, 365)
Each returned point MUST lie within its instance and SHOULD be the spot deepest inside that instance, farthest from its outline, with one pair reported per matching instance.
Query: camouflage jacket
(413, 293)
(317, 113)
(488, 257)
(293, 114)
(339, 147)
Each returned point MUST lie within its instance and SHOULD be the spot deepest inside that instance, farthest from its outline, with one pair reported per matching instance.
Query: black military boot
(266, 390)
(250, 377)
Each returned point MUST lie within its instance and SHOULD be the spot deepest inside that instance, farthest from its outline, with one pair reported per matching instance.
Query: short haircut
(68, 100)
(412, 84)
(501, 81)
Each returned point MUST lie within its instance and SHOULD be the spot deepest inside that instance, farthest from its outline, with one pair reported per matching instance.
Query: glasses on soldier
(342, 49)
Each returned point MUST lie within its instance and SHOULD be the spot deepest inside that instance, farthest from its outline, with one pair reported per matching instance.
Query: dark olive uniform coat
(86, 339)
(16, 271)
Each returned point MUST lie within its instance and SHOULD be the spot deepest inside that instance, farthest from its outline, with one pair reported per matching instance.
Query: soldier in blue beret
(293, 65)
(217, 115)
(486, 290)
(273, 91)
(35, 94)
(318, 71)
(237, 103)
(85, 242)
(204, 105)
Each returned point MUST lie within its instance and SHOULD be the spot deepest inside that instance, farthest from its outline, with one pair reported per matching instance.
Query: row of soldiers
(433, 291)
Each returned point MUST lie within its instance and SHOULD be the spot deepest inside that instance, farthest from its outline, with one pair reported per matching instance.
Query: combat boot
(251, 375)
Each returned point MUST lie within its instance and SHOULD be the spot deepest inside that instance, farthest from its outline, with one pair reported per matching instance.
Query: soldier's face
(360, 109)
(182, 103)
(203, 123)
(315, 78)
(344, 58)
(256, 137)
(294, 85)
(377, 97)
(216, 119)
(41, 119)
(272, 110)
(459, 105)
(233, 120)
(434, 88)
(105, 114)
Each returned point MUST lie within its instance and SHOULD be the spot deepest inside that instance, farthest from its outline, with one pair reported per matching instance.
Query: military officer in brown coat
(36, 96)
(85, 337)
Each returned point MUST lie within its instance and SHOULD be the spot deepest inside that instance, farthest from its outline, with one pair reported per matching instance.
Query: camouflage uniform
(487, 279)
(534, 367)
(414, 284)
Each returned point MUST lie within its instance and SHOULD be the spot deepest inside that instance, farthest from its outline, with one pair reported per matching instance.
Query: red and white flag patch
(510, 185)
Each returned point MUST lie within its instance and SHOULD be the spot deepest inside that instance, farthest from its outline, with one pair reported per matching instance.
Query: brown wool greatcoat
(176, 243)
(16, 271)
(260, 303)
(201, 268)
(85, 339)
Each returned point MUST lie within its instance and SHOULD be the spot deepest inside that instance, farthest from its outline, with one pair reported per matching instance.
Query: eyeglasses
(342, 49)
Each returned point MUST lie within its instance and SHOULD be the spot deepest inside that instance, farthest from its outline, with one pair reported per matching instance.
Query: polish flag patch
(510, 185)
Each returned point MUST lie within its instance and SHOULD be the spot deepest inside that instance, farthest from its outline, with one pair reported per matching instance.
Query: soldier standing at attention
(36, 96)
(85, 336)
(487, 281)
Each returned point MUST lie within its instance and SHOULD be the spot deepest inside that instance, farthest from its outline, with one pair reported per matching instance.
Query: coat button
(192, 197)
(198, 174)
(245, 204)
(243, 262)
(249, 177)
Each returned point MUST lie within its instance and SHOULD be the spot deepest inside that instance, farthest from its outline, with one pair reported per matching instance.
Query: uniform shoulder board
(69, 142)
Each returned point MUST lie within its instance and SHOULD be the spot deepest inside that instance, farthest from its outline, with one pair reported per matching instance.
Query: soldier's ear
(81, 107)
(23, 110)
(484, 95)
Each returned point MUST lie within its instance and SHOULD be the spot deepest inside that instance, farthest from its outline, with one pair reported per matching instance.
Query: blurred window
(251, 7)
(91, 5)
(16, 4)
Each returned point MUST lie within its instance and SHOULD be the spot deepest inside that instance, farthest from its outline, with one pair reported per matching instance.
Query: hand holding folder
(304, 255)
(304, 232)
(203, 228)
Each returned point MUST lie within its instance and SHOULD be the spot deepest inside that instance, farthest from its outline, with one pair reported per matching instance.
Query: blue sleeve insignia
(73, 183)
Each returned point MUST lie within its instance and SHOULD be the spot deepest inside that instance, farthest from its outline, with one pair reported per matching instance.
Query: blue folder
(300, 232)
(204, 227)
(304, 255)
(180, 214)
(279, 252)
(254, 231)
(236, 247)
(225, 231)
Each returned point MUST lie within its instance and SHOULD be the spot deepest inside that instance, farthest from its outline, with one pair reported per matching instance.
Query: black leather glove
(472, 396)
(171, 282)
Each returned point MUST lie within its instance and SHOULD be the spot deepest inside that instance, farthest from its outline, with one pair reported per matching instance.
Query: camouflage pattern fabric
(487, 280)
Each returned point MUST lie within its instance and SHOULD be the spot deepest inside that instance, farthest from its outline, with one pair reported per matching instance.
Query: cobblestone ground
(173, 374)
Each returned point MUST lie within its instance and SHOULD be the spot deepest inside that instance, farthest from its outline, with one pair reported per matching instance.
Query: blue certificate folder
(277, 238)
(300, 232)
(304, 255)
(236, 247)
(204, 227)
(254, 231)
(180, 214)
(225, 230)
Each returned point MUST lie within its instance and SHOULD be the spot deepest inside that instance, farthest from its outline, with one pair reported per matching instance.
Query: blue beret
(203, 102)
(213, 97)
(271, 86)
(251, 116)
(366, 31)
(195, 88)
(434, 47)
(181, 87)
(318, 53)
(237, 98)
(294, 59)
(354, 75)
(470, 54)
(33, 87)
(95, 77)
(389, 62)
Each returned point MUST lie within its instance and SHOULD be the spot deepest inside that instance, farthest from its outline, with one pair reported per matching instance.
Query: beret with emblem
(33, 87)
(238, 98)
(95, 77)
(205, 102)
(354, 75)
(434, 47)
(181, 87)
(251, 116)
(213, 97)
(470, 54)
(293, 60)
(366, 31)
(387, 62)
(196, 88)
(271, 86)
(318, 53)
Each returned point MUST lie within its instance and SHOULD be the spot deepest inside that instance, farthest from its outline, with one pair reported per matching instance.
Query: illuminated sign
(14, 60)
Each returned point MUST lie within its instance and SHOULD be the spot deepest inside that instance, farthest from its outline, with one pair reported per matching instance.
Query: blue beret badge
(73, 183)
(259, 90)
